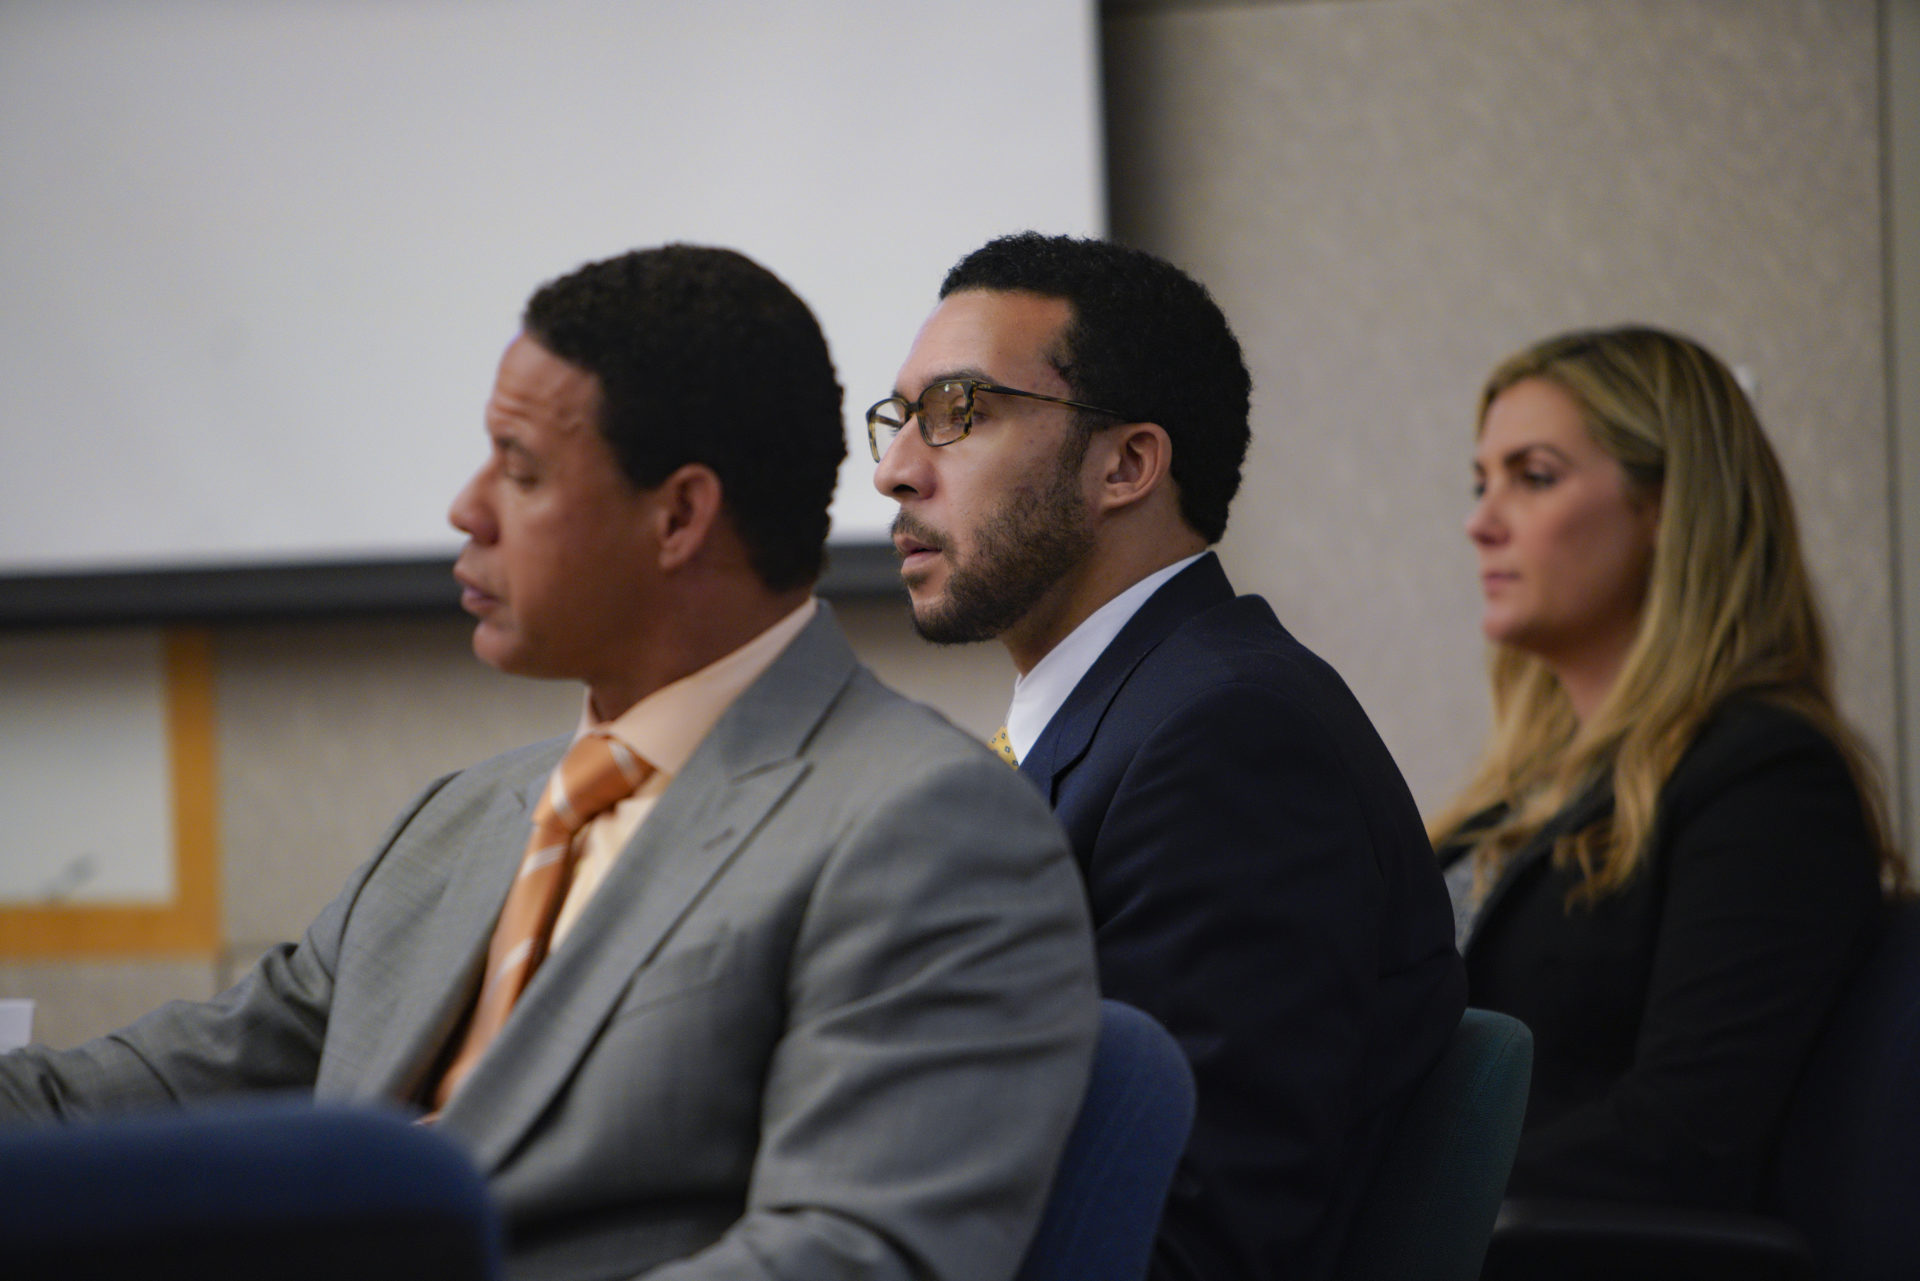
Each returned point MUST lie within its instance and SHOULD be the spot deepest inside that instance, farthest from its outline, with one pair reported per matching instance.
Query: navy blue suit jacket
(1261, 883)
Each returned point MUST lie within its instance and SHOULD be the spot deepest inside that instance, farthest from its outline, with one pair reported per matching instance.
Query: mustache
(916, 529)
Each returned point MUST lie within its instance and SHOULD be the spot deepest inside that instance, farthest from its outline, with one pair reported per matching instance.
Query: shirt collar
(667, 725)
(1040, 693)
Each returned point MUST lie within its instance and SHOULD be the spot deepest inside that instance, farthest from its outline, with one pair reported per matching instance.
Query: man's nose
(905, 469)
(469, 513)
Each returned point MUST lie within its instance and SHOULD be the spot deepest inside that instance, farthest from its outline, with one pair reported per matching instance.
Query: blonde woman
(1670, 855)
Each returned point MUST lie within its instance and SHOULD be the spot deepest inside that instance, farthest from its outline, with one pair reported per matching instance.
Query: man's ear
(1135, 459)
(686, 511)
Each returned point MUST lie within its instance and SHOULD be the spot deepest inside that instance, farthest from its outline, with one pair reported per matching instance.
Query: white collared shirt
(1039, 694)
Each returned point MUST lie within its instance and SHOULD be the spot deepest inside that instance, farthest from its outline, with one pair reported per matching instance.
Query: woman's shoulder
(1750, 734)
(1768, 771)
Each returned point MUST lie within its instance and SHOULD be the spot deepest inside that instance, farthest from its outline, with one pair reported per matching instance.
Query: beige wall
(1900, 70)
(1390, 196)
(1387, 196)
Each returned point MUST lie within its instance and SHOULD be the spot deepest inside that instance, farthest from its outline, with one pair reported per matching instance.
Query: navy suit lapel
(1200, 586)
(745, 768)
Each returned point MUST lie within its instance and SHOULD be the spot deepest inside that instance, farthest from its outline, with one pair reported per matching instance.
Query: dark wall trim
(260, 592)
(1119, 8)
(861, 571)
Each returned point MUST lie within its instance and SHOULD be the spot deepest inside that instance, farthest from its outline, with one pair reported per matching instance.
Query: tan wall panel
(75, 1001)
(328, 730)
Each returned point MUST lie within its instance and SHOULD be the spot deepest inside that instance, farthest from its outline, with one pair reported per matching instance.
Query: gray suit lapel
(740, 774)
(451, 956)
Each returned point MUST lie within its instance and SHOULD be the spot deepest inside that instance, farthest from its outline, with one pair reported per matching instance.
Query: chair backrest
(1429, 1209)
(269, 1189)
(1848, 1172)
(1107, 1197)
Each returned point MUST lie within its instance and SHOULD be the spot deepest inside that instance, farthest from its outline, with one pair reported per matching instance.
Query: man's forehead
(532, 381)
(991, 334)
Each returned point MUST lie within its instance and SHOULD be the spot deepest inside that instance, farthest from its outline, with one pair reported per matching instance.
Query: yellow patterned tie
(1003, 747)
(597, 773)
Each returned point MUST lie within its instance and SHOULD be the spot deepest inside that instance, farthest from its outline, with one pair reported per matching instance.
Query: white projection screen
(260, 258)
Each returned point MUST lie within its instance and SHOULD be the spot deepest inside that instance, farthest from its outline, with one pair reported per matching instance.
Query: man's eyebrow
(968, 372)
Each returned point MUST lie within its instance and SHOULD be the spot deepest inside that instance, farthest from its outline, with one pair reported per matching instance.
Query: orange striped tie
(597, 773)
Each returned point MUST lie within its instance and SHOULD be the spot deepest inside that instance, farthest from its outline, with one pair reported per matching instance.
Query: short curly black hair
(704, 356)
(1146, 340)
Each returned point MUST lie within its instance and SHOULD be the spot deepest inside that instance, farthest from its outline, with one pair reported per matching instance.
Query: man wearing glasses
(1064, 440)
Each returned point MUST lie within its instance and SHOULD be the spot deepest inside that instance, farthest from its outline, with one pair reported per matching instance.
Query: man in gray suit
(817, 996)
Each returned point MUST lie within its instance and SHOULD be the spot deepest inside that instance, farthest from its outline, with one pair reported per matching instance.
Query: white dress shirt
(1039, 694)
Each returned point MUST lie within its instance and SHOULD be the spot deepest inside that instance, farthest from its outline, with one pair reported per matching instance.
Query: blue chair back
(273, 1189)
(1429, 1210)
(1848, 1173)
(1105, 1207)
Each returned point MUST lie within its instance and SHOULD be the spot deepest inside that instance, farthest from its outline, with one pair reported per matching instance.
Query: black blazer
(1671, 1021)
(1260, 883)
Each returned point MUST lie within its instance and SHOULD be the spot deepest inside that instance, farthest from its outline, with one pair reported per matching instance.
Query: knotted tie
(597, 773)
(1003, 747)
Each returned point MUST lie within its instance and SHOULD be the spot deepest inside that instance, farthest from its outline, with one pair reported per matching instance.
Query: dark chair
(1430, 1206)
(1105, 1206)
(1844, 1198)
(272, 1189)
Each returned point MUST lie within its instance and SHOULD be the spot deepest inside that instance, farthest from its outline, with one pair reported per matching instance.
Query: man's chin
(926, 588)
(494, 647)
(936, 621)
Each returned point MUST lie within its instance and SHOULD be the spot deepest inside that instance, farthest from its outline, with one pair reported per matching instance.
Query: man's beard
(1020, 551)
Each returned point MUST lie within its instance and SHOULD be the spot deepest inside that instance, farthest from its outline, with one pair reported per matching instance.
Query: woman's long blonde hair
(1729, 610)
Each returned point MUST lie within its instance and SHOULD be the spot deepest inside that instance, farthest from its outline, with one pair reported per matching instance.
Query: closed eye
(517, 466)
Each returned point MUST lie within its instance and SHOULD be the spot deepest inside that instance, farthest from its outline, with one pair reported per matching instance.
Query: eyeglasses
(945, 411)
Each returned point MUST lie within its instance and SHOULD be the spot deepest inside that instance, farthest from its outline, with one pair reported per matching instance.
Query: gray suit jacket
(829, 1015)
